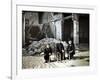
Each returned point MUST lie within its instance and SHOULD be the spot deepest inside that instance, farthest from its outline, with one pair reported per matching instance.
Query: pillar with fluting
(75, 19)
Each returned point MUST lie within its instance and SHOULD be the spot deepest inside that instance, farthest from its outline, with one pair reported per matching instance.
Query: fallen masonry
(38, 46)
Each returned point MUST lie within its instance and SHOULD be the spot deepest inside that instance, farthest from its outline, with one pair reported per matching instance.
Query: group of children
(60, 52)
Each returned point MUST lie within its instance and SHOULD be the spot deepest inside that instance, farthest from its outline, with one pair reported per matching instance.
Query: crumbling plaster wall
(33, 17)
(56, 27)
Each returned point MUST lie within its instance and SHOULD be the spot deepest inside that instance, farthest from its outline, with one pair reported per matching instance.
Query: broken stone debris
(38, 46)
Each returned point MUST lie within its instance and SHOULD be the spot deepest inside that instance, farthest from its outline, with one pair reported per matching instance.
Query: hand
(50, 53)
(62, 50)
(70, 51)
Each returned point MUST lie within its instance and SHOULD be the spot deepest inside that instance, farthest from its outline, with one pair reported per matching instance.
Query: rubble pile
(38, 46)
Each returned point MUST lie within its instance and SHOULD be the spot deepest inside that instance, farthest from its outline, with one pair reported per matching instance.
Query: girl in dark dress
(70, 50)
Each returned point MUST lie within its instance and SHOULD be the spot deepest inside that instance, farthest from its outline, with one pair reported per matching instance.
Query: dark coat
(60, 47)
(47, 52)
(71, 49)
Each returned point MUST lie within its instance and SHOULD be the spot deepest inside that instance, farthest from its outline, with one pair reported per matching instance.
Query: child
(47, 52)
(70, 49)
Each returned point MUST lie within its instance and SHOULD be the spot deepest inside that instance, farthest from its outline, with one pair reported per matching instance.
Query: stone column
(58, 25)
(75, 19)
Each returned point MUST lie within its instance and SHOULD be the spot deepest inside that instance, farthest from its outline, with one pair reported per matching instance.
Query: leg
(57, 56)
(61, 56)
(69, 56)
(48, 58)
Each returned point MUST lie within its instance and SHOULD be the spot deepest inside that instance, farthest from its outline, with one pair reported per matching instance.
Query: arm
(62, 47)
(51, 50)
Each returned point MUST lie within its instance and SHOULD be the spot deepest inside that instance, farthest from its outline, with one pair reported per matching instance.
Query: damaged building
(42, 28)
(39, 25)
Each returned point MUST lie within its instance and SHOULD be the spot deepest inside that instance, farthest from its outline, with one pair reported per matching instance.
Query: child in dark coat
(70, 50)
(60, 51)
(47, 53)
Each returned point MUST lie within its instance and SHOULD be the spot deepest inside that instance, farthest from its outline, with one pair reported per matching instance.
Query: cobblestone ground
(37, 61)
